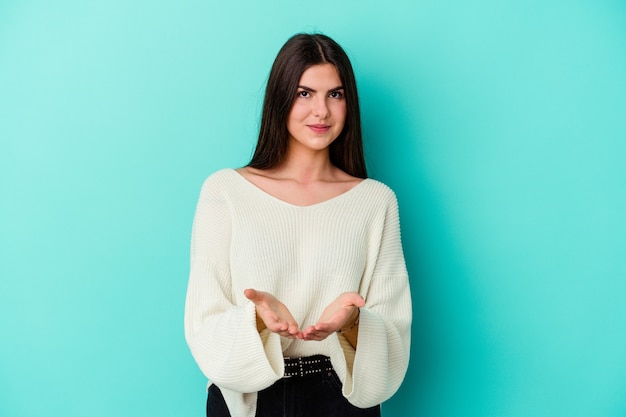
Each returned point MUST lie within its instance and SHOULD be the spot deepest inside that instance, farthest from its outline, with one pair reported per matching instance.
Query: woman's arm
(382, 357)
(220, 330)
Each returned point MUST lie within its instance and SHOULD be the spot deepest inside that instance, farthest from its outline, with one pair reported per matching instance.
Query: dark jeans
(311, 396)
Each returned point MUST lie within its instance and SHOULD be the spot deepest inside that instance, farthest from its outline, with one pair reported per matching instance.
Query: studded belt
(306, 366)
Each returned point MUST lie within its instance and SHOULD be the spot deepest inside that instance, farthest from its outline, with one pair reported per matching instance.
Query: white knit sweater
(243, 237)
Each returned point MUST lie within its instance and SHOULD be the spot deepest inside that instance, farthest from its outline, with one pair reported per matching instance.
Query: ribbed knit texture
(305, 256)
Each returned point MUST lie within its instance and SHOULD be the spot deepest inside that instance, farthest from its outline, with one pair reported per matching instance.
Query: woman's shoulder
(220, 180)
(372, 196)
(380, 189)
(221, 175)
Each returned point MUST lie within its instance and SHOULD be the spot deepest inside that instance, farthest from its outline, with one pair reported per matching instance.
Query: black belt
(309, 365)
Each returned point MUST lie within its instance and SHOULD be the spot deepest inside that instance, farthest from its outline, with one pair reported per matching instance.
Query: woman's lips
(319, 128)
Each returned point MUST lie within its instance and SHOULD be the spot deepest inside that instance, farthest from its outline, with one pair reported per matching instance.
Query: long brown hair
(299, 53)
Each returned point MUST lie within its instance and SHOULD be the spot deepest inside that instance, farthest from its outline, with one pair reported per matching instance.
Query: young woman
(298, 300)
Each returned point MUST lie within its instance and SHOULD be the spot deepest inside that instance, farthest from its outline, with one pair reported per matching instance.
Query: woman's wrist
(355, 322)
(260, 324)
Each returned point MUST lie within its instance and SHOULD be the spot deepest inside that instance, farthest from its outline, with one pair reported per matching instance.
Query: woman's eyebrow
(309, 89)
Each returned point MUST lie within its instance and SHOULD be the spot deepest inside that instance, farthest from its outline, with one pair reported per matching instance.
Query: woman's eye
(336, 94)
(304, 94)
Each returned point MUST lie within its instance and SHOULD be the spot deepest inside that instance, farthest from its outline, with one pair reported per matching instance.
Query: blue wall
(501, 126)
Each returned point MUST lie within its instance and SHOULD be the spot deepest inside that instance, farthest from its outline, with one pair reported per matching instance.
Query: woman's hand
(339, 314)
(273, 314)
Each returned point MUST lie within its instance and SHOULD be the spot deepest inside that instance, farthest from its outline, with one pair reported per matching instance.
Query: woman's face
(318, 113)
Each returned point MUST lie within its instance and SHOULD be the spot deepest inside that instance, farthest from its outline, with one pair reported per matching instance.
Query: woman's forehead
(321, 76)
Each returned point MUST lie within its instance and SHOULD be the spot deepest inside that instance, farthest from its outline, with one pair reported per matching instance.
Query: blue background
(501, 125)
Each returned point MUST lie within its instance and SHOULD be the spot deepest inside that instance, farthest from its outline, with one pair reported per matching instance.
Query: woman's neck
(307, 167)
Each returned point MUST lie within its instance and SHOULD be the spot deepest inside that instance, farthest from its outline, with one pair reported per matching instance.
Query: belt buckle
(302, 366)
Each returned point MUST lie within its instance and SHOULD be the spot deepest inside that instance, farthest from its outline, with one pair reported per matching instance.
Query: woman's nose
(320, 108)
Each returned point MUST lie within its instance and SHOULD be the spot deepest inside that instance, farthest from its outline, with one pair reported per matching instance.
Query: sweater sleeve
(382, 355)
(220, 332)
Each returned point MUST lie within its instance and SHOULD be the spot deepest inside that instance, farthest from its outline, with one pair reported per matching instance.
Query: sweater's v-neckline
(280, 200)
